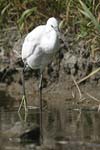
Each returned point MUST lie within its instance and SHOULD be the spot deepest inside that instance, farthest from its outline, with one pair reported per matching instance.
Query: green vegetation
(28, 13)
(80, 16)
(83, 15)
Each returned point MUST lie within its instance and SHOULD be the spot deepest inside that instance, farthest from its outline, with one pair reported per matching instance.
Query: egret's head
(52, 22)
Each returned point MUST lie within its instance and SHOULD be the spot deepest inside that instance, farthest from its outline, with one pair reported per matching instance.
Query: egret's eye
(52, 26)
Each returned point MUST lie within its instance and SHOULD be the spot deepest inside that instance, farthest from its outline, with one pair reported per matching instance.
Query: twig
(83, 99)
(99, 108)
(17, 54)
(92, 73)
(94, 98)
(79, 116)
(79, 91)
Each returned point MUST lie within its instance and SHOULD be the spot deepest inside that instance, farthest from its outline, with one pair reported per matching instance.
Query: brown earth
(58, 84)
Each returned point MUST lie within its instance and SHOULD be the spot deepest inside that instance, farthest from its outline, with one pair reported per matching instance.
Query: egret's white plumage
(38, 49)
(41, 44)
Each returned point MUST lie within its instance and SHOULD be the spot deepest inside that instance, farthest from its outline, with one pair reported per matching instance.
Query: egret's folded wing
(27, 48)
(31, 41)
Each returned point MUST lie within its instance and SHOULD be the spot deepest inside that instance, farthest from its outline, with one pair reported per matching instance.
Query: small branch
(94, 98)
(79, 116)
(92, 73)
(79, 91)
(17, 54)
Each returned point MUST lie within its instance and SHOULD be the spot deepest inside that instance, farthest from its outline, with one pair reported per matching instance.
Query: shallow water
(62, 129)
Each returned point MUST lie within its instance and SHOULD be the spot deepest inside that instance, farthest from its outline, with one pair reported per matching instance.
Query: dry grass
(80, 16)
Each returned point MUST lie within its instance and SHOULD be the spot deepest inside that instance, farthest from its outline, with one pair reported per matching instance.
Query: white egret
(38, 50)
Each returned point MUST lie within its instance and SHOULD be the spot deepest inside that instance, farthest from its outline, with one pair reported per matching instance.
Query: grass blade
(89, 14)
(24, 16)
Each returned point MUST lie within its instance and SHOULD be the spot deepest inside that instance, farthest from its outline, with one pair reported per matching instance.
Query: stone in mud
(6, 74)
(70, 63)
(2, 71)
(84, 67)
(32, 135)
(23, 133)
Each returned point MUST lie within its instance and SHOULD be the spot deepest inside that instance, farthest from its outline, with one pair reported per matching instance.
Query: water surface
(62, 129)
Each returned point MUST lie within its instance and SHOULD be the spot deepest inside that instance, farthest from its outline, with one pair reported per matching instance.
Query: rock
(32, 135)
(70, 63)
(6, 100)
(6, 74)
(23, 133)
(84, 66)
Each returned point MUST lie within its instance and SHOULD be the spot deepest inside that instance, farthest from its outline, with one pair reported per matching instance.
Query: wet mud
(70, 110)
(71, 64)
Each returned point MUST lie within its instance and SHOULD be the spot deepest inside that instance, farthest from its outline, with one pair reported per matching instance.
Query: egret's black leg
(24, 100)
(40, 96)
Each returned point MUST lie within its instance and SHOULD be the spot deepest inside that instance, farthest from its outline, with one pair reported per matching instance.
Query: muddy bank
(75, 61)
